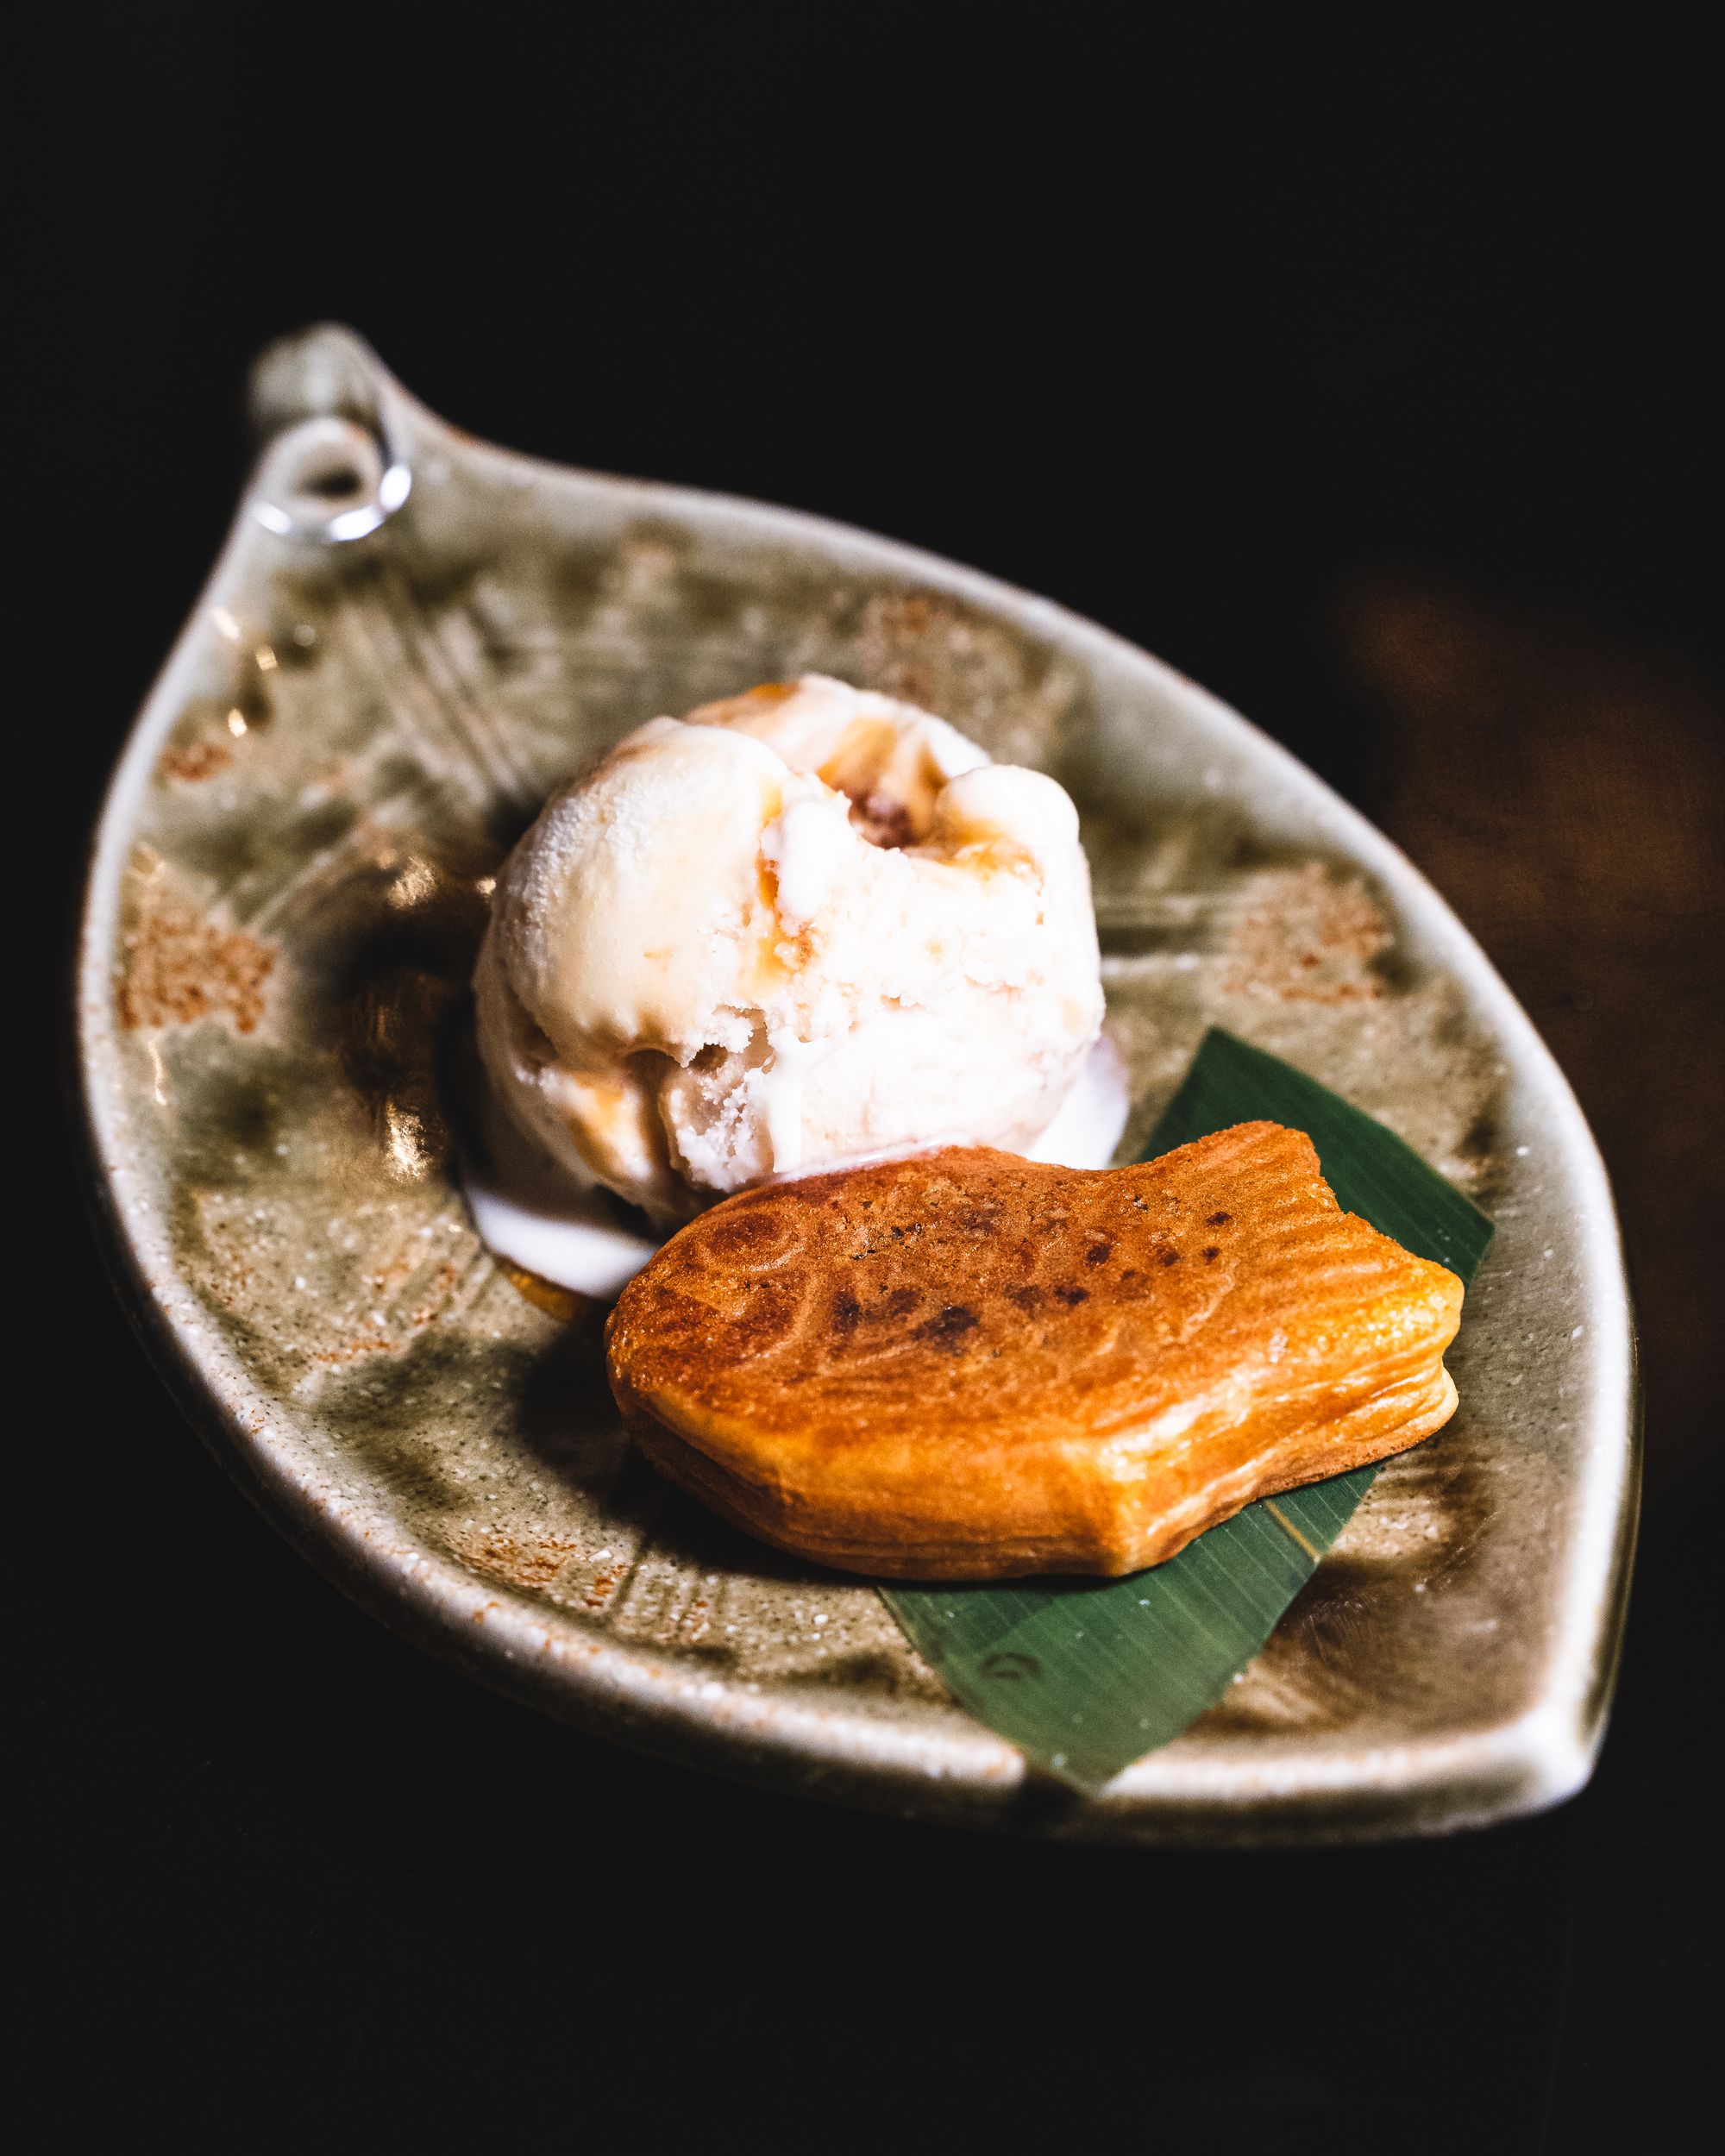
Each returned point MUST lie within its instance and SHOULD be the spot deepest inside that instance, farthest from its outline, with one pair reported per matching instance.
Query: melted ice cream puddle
(529, 1211)
(1089, 1122)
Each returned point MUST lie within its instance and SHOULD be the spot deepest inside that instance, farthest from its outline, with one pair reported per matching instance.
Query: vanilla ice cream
(802, 925)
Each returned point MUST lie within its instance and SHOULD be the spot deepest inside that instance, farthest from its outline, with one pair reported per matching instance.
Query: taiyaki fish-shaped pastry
(965, 1365)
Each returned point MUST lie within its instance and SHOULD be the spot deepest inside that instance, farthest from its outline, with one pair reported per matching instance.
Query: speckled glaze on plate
(409, 638)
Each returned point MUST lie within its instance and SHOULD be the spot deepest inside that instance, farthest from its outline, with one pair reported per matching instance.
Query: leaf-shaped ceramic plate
(409, 638)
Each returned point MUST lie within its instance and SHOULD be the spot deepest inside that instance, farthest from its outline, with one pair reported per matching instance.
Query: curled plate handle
(334, 465)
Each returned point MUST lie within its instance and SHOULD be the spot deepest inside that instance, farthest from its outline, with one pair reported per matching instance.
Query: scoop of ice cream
(801, 925)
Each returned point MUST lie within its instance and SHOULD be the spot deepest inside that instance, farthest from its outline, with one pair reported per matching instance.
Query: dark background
(1359, 372)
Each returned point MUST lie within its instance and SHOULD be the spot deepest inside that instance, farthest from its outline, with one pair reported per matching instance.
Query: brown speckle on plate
(177, 967)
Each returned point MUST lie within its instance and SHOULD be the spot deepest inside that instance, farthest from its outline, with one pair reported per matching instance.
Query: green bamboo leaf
(1086, 1677)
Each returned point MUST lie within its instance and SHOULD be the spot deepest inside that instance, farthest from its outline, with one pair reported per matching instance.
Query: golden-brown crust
(965, 1365)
